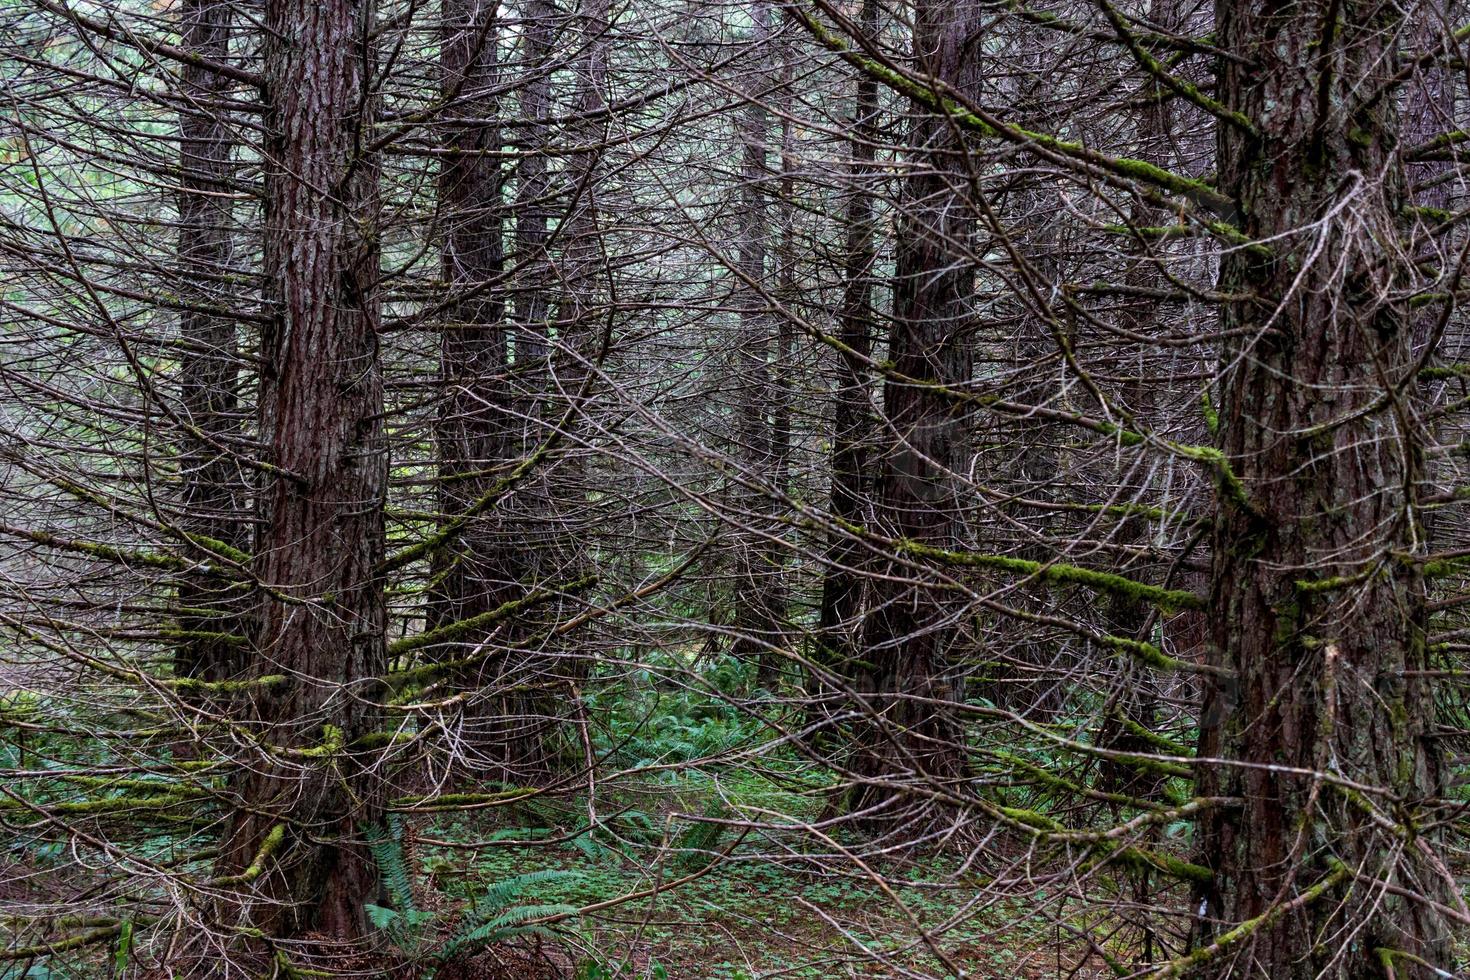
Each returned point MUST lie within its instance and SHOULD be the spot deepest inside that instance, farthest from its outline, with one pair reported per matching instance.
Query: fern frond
(385, 843)
(507, 925)
(499, 895)
(698, 841)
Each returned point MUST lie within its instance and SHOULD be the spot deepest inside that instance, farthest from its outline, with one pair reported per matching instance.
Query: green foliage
(621, 970)
(653, 722)
(493, 915)
(698, 841)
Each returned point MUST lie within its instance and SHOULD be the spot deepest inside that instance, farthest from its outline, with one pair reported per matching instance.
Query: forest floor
(769, 907)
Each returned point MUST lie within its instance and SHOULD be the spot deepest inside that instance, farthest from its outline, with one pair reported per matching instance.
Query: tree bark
(758, 581)
(212, 498)
(852, 415)
(914, 737)
(322, 619)
(476, 431)
(1318, 602)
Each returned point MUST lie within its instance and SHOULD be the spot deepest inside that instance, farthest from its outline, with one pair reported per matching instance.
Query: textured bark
(1316, 604)
(487, 423)
(213, 489)
(472, 432)
(852, 416)
(322, 623)
(909, 629)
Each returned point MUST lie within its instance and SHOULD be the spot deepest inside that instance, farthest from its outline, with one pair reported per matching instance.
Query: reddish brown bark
(1317, 606)
(321, 622)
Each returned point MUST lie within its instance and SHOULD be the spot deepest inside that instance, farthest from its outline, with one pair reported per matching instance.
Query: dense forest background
(703, 489)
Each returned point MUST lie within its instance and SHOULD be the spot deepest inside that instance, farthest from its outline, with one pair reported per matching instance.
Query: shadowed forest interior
(734, 489)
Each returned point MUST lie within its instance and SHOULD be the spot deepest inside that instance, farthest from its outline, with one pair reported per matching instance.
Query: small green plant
(621, 970)
(403, 922)
(491, 916)
(696, 845)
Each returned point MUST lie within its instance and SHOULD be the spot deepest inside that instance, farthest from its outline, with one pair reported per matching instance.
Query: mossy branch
(464, 627)
(1170, 600)
(256, 868)
(37, 950)
(1185, 89)
(454, 528)
(107, 552)
(1187, 964)
(926, 94)
(462, 801)
(114, 804)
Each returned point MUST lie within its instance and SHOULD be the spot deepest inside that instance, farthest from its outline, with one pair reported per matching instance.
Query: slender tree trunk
(322, 618)
(476, 431)
(1318, 604)
(213, 489)
(852, 414)
(533, 206)
(579, 319)
(581, 255)
(519, 716)
(1135, 699)
(910, 626)
(759, 609)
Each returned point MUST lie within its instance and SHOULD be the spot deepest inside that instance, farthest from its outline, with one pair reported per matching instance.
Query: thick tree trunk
(910, 626)
(322, 620)
(1318, 604)
(213, 490)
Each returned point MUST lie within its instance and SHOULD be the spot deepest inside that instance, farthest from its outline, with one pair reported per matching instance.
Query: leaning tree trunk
(212, 492)
(907, 633)
(307, 793)
(1318, 600)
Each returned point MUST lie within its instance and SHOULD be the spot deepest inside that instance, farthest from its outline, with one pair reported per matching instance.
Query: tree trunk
(322, 620)
(758, 580)
(1318, 604)
(909, 630)
(213, 491)
(476, 430)
(852, 414)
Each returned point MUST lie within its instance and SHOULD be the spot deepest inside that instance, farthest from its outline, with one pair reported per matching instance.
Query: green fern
(404, 921)
(507, 925)
(696, 845)
(499, 895)
(493, 917)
